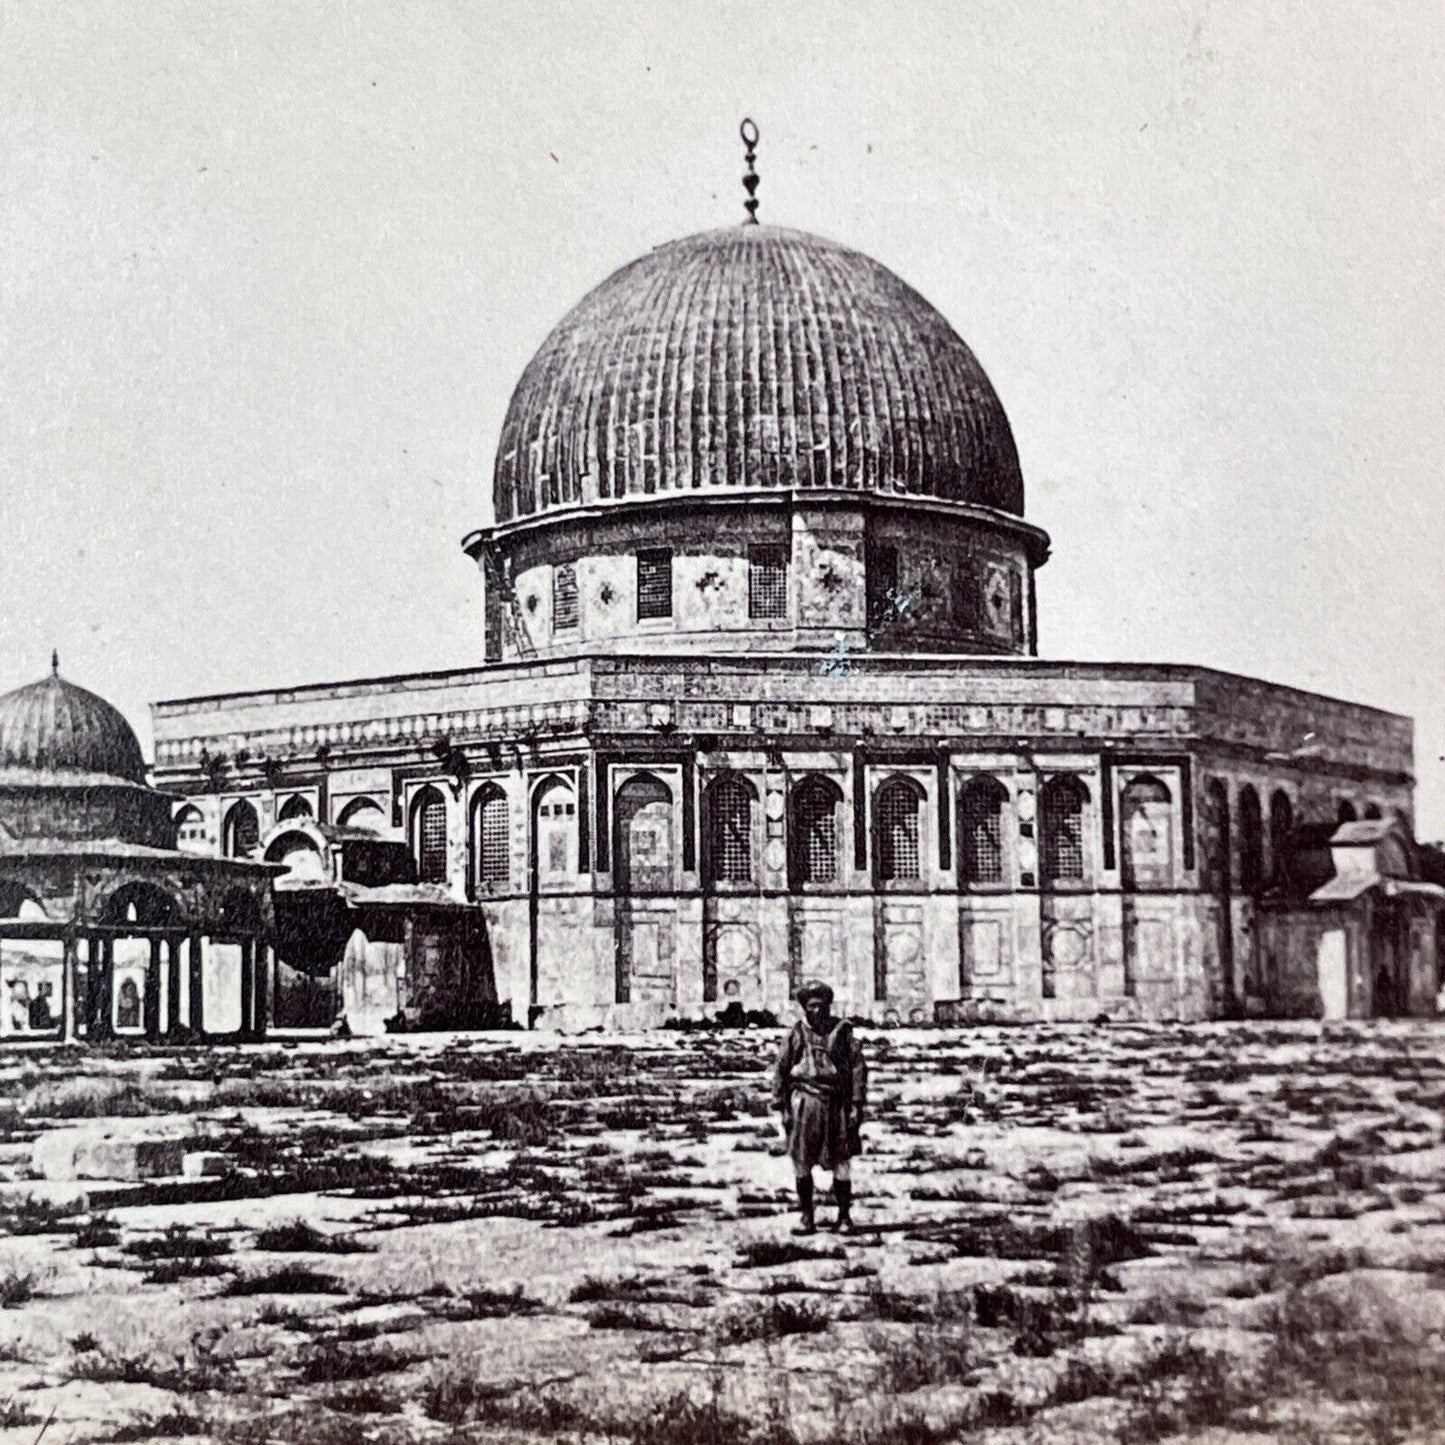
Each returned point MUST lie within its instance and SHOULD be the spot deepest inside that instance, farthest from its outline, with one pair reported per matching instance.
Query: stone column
(173, 989)
(196, 985)
(69, 989)
(248, 989)
(151, 1003)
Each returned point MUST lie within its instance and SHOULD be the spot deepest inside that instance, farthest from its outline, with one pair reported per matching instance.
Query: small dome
(52, 726)
(750, 359)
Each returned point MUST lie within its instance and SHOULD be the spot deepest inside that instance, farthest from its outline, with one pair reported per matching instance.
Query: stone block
(103, 1154)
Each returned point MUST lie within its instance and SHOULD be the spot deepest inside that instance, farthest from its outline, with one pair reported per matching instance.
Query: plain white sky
(269, 271)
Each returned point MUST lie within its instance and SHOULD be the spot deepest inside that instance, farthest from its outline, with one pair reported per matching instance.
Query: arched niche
(296, 806)
(300, 854)
(241, 830)
(190, 826)
(554, 829)
(1146, 817)
(429, 834)
(981, 807)
(730, 808)
(489, 837)
(645, 851)
(364, 813)
(1063, 802)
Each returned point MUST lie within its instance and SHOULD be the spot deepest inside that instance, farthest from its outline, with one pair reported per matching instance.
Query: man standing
(820, 1086)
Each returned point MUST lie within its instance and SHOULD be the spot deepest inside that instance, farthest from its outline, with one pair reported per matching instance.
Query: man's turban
(815, 988)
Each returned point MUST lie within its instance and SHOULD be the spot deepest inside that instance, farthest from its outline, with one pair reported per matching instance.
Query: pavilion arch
(814, 808)
(981, 808)
(645, 850)
(301, 850)
(730, 804)
(190, 830)
(1063, 803)
(241, 830)
(1251, 841)
(428, 832)
(1146, 816)
(554, 828)
(489, 837)
(296, 806)
(143, 904)
(363, 813)
(1281, 833)
(18, 901)
(898, 830)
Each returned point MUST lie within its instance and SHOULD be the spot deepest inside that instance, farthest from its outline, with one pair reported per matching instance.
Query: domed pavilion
(106, 929)
(758, 697)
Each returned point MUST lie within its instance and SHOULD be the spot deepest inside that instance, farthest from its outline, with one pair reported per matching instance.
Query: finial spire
(749, 132)
(54, 662)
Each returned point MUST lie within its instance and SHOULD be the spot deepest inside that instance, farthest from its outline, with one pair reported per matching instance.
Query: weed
(179, 1243)
(84, 1342)
(364, 1400)
(922, 1358)
(289, 1279)
(768, 1254)
(16, 1414)
(176, 1424)
(18, 1287)
(98, 1232)
(170, 1271)
(299, 1237)
(329, 1364)
(775, 1320)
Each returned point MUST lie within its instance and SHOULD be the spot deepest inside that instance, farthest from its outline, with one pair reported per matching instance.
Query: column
(173, 989)
(69, 990)
(195, 963)
(151, 1003)
(248, 989)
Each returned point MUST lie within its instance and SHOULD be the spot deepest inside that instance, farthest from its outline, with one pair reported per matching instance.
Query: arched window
(1062, 800)
(980, 830)
(1346, 812)
(191, 831)
(242, 830)
(554, 829)
(1251, 842)
(730, 802)
(429, 835)
(813, 832)
(295, 806)
(1281, 831)
(644, 836)
(363, 813)
(1217, 845)
(1146, 813)
(897, 824)
(141, 903)
(491, 837)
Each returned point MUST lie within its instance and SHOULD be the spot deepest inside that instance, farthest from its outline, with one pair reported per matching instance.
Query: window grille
(1063, 818)
(896, 811)
(768, 581)
(243, 830)
(564, 597)
(654, 584)
(731, 815)
(981, 833)
(494, 840)
(431, 838)
(816, 844)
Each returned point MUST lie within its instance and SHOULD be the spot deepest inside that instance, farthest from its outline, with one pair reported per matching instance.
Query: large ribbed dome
(753, 358)
(53, 727)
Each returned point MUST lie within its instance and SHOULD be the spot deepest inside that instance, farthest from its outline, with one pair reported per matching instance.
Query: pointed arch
(296, 806)
(429, 834)
(1281, 834)
(981, 808)
(489, 837)
(190, 825)
(241, 831)
(1146, 815)
(363, 813)
(554, 828)
(813, 808)
(729, 813)
(1062, 803)
(897, 831)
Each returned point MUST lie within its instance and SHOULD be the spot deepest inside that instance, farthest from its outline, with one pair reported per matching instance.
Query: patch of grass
(84, 1342)
(179, 1243)
(330, 1364)
(18, 1287)
(624, 1317)
(923, 1357)
(17, 1415)
(487, 1304)
(289, 1279)
(769, 1253)
(175, 1424)
(364, 1400)
(29, 1215)
(944, 1306)
(299, 1237)
(100, 1231)
(773, 1321)
(171, 1271)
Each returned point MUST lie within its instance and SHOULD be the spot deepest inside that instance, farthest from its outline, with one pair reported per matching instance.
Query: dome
(751, 359)
(54, 727)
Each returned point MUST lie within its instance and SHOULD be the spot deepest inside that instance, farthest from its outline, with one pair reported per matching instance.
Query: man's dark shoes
(843, 1193)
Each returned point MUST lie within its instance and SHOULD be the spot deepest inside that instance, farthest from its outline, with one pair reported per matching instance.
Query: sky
(269, 271)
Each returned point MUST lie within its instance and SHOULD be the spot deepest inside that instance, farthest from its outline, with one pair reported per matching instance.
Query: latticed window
(815, 832)
(730, 835)
(768, 581)
(1062, 805)
(564, 597)
(896, 817)
(243, 831)
(492, 839)
(980, 830)
(431, 837)
(654, 583)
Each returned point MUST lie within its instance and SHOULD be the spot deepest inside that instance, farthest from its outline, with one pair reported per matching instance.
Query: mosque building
(759, 697)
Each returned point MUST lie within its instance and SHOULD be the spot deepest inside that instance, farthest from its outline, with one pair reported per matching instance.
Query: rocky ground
(1068, 1234)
